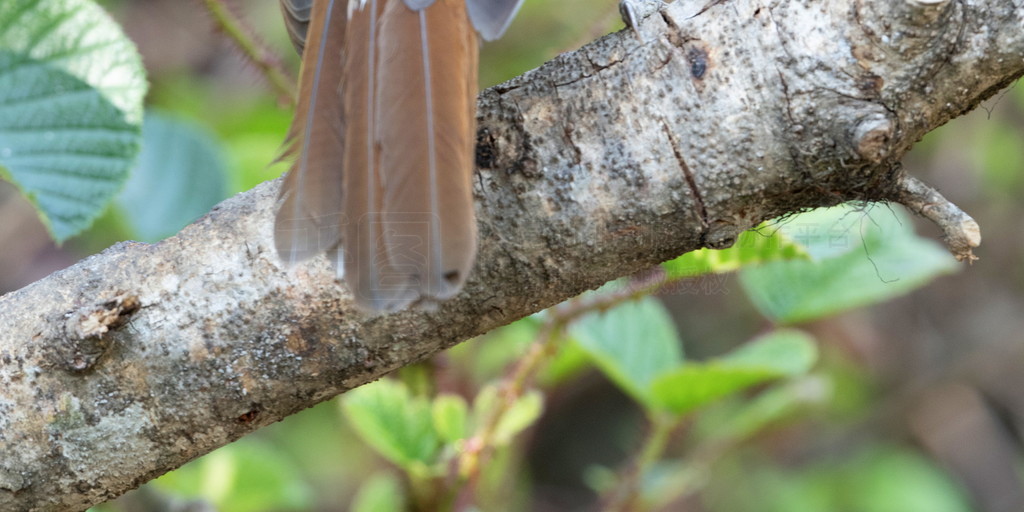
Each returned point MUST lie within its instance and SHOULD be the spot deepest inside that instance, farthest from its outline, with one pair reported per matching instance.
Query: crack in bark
(690, 181)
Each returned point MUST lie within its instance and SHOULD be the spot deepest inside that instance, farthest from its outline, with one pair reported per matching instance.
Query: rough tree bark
(714, 116)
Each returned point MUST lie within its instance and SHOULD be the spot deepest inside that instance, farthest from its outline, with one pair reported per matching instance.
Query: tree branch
(601, 163)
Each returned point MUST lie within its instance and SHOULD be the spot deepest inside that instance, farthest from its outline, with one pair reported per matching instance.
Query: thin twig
(247, 41)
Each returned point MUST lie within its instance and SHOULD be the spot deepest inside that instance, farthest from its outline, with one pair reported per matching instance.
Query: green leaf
(450, 414)
(779, 354)
(520, 416)
(247, 476)
(381, 493)
(180, 175)
(740, 419)
(71, 89)
(631, 344)
(484, 403)
(393, 422)
(763, 244)
(859, 258)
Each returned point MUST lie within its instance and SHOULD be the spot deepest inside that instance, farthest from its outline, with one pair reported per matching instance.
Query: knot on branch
(872, 136)
(86, 330)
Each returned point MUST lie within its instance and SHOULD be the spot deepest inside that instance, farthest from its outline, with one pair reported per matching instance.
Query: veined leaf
(779, 354)
(392, 421)
(631, 344)
(71, 89)
(859, 258)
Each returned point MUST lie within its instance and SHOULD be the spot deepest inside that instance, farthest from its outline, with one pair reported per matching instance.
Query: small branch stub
(872, 137)
(961, 233)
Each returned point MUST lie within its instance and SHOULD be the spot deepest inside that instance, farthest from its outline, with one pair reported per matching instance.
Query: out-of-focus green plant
(625, 334)
(179, 176)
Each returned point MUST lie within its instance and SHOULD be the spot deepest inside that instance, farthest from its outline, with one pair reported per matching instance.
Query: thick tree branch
(600, 163)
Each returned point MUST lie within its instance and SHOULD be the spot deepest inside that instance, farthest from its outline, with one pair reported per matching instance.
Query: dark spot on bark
(486, 154)
(248, 417)
(871, 84)
(698, 58)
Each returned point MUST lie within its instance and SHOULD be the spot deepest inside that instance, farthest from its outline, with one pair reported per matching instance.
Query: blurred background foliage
(832, 361)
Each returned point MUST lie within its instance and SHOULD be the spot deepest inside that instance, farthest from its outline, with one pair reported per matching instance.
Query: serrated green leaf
(764, 244)
(393, 422)
(631, 344)
(179, 176)
(779, 354)
(71, 89)
(860, 258)
(450, 414)
(381, 493)
(520, 416)
(784, 351)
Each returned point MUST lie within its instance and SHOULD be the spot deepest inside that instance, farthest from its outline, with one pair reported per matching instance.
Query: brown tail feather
(371, 279)
(393, 151)
(427, 130)
(308, 216)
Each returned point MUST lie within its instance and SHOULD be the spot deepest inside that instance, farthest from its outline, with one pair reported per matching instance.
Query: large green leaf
(71, 89)
(632, 344)
(859, 257)
(779, 354)
(180, 175)
(395, 423)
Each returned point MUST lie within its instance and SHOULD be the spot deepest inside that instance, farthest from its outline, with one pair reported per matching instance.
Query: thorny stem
(280, 81)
